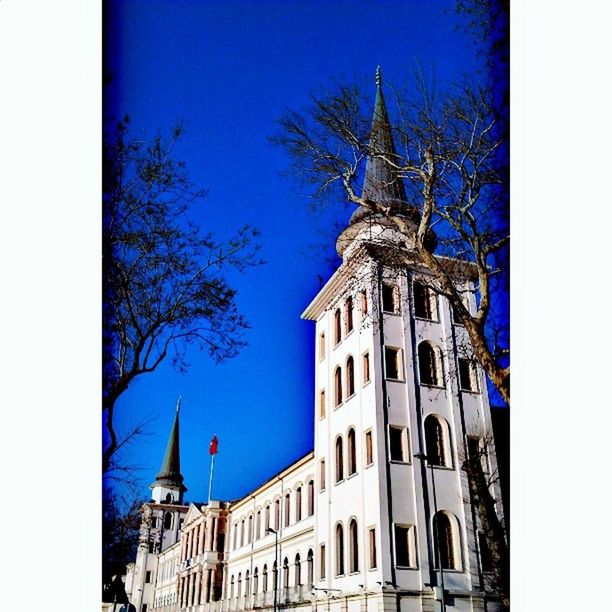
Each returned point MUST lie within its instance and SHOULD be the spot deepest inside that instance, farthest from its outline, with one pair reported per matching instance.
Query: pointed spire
(169, 475)
(381, 182)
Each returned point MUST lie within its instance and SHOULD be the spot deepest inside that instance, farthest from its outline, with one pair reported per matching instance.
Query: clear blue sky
(228, 70)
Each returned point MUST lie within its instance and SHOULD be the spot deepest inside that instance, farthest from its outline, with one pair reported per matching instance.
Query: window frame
(399, 363)
(394, 298)
(410, 546)
(404, 441)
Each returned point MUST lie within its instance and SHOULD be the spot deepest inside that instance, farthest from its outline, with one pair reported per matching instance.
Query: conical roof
(381, 182)
(170, 472)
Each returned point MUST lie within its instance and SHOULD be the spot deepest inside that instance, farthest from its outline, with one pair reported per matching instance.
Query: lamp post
(423, 457)
(270, 530)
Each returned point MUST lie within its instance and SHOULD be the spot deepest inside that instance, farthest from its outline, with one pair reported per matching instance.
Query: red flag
(213, 446)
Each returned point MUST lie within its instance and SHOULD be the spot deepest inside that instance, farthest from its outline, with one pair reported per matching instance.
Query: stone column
(202, 537)
(198, 587)
(209, 534)
(182, 556)
(204, 587)
(210, 584)
(181, 591)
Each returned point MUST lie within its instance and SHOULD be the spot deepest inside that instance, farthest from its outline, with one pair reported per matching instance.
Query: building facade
(380, 515)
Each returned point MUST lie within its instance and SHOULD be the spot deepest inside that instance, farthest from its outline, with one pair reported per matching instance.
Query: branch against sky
(452, 159)
(164, 280)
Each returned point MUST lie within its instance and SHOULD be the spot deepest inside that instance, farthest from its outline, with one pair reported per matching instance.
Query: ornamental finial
(378, 77)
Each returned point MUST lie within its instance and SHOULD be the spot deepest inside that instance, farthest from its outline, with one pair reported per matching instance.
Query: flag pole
(212, 466)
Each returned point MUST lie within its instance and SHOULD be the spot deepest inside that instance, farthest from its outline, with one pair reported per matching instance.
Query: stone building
(379, 515)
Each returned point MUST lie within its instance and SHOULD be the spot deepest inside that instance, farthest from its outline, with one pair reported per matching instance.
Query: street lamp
(423, 457)
(270, 530)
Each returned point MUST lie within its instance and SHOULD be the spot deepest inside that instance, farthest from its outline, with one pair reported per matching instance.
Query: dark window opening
(389, 300)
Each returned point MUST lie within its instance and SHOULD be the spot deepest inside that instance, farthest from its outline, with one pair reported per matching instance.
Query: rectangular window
(467, 375)
(372, 548)
(148, 577)
(369, 451)
(322, 475)
(363, 298)
(398, 442)
(153, 522)
(322, 404)
(424, 301)
(404, 546)
(365, 367)
(456, 318)
(322, 562)
(144, 607)
(389, 298)
(322, 346)
(151, 546)
(394, 369)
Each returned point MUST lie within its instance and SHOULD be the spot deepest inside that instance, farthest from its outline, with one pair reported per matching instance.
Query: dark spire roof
(170, 473)
(381, 182)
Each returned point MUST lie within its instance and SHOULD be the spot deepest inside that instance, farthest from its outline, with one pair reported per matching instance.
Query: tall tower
(399, 403)
(162, 519)
(168, 486)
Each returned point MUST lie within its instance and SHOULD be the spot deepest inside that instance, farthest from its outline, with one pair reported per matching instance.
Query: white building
(379, 515)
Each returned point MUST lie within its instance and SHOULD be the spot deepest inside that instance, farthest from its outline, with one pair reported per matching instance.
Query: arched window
(298, 504)
(436, 441)
(247, 583)
(274, 576)
(310, 497)
(352, 452)
(353, 547)
(429, 365)
(258, 525)
(255, 581)
(167, 520)
(250, 529)
(339, 550)
(310, 570)
(239, 594)
(287, 509)
(267, 519)
(232, 587)
(298, 571)
(235, 536)
(350, 376)
(242, 533)
(264, 574)
(338, 386)
(339, 460)
(168, 498)
(348, 317)
(277, 514)
(286, 573)
(447, 541)
(337, 327)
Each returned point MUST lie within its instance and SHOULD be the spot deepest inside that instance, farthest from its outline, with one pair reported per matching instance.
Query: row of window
(252, 582)
(437, 442)
(430, 372)
(245, 529)
(425, 307)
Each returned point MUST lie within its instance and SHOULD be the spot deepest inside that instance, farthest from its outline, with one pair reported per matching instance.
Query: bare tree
(452, 160)
(483, 481)
(164, 280)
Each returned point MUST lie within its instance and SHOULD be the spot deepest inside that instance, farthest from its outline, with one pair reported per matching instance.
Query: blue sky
(228, 71)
